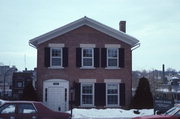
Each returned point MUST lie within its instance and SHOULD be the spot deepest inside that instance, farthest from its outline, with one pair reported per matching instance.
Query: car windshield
(172, 111)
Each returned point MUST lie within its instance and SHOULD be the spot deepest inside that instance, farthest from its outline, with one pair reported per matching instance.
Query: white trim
(112, 67)
(55, 45)
(61, 57)
(87, 80)
(55, 67)
(87, 45)
(112, 105)
(87, 67)
(112, 80)
(92, 58)
(93, 95)
(112, 46)
(89, 22)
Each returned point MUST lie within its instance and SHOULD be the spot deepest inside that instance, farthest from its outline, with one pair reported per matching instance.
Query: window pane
(56, 61)
(112, 52)
(112, 99)
(112, 62)
(19, 84)
(87, 99)
(8, 109)
(56, 52)
(87, 89)
(87, 61)
(26, 109)
(112, 89)
(87, 52)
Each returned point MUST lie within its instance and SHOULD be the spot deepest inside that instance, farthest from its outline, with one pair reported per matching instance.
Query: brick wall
(72, 40)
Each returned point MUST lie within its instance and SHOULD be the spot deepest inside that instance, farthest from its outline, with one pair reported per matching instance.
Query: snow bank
(108, 113)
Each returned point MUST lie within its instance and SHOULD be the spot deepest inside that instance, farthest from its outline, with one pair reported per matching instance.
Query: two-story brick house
(89, 57)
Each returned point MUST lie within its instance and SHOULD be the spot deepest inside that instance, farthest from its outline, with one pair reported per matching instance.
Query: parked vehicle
(2, 102)
(173, 113)
(29, 110)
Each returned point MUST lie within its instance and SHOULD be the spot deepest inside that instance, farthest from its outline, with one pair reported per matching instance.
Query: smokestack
(122, 26)
(163, 72)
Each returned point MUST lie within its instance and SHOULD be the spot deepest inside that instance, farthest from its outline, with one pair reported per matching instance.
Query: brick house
(87, 62)
(20, 81)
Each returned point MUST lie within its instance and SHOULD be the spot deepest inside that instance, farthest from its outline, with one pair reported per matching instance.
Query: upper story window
(87, 57)
(56, 57)
(112, 57)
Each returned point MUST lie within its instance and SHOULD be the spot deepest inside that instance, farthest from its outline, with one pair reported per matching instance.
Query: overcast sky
(155, 23)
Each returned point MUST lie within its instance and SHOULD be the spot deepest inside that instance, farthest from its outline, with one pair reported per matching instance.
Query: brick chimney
(122, 26)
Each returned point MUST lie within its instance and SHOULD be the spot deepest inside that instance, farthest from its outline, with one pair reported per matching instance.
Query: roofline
(81, 22)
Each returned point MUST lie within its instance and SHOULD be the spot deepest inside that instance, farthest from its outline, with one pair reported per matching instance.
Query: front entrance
(55, 94)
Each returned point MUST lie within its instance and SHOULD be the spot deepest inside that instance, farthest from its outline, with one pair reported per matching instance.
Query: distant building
(20, 80)
(6, 73)
(170, 91)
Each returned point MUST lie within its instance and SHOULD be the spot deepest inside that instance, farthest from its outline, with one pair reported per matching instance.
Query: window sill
(112, 68)
(85, 106)
(112, 106)
(87, 68)
(55, 67)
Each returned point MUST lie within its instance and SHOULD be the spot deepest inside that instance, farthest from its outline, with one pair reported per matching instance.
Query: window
(26, 108)
(112, 94)
(87, 57)
(56, 57)
(112, 57)
(87, 94)
(8, 109)
(19, 84)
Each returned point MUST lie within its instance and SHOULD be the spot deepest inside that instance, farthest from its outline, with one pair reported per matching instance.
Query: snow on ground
(108, 113)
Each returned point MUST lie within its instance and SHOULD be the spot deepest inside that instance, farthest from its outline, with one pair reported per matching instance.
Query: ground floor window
(112, 94)
(87, 94)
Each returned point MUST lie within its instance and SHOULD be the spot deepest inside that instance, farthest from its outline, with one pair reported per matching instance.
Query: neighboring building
(20, 81)
(88, 59)
(6, 73)
(169, 91)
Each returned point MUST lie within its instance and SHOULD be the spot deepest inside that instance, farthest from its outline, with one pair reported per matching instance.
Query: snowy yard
(108, 113)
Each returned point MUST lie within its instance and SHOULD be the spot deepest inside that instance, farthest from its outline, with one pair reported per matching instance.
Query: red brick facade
(72, 73)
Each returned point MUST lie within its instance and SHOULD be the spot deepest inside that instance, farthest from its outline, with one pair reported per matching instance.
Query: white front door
(56, 94)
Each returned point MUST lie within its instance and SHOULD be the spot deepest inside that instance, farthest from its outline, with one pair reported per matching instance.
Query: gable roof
(89, 22)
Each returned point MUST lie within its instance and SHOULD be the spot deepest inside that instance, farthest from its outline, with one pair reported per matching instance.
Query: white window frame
(83, 84)
(54, 46)
(117, 58)
(112, 105)
(82, 57)
(60, 57)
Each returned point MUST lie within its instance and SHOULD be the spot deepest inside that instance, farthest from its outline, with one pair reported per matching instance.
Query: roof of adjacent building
(89, 22)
